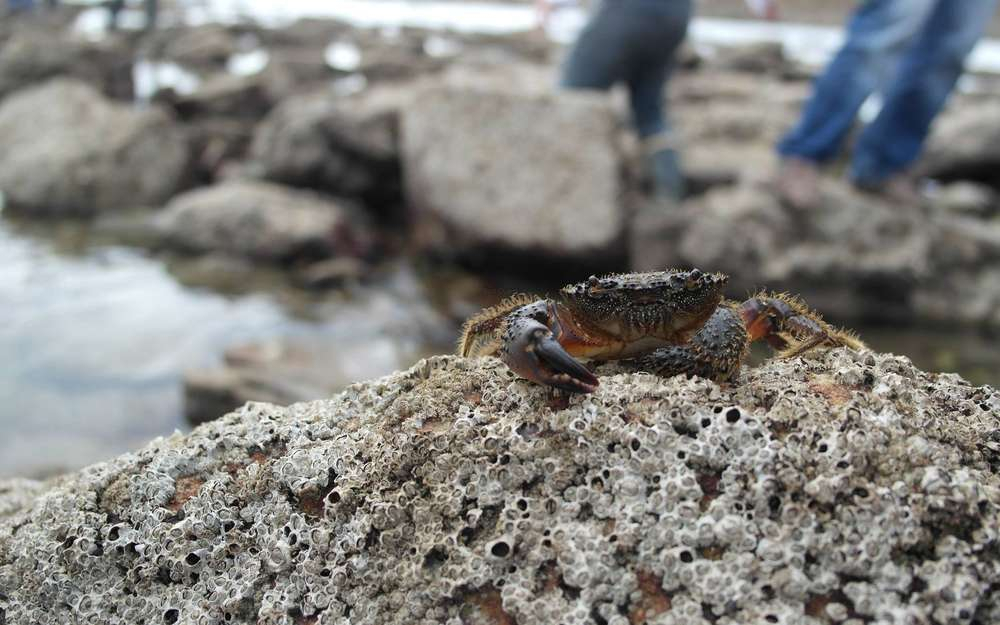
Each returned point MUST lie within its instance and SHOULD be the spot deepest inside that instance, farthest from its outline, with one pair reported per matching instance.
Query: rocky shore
(843, 487)
(429, 132)
(349, 147)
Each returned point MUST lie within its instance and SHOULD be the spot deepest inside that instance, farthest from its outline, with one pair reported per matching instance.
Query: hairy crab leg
(788, 325)
(716, 351)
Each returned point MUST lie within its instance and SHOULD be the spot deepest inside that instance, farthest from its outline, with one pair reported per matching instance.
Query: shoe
(797, 183)
(899, 189)
(665, 171)
(663, 164)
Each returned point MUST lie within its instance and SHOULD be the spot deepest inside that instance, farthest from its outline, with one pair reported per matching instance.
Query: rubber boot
(664, 167)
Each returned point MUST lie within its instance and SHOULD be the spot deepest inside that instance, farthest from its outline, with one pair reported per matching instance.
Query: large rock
(34, 55)
(499, 176)
(342, 145)
(965, 143)
(262, 221)
(227, 96)
(204, 48)
(728, 124)
(66, 149)
(854, 257)
(846, 487)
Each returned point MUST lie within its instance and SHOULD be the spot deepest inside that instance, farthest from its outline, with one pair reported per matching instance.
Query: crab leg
(787, 324)
(715, 351)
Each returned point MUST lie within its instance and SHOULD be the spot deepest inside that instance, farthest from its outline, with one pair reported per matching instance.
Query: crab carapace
(667, 322)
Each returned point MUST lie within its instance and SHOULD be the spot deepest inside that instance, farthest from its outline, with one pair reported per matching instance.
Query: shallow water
(93, 340)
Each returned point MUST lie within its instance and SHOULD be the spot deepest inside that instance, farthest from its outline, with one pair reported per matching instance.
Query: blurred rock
(755, 58)
(967, 198)
(965, 144)
(32, 56)
(293, 70)
(728, 124)
(346, 146)
(399, 59)
(225, 95)
(500, 175)
(854, 257)
(331, 272)
(221, 115)
(306, 32)
(376, 331)
(262, 221)
(203, 48)
(68, 150)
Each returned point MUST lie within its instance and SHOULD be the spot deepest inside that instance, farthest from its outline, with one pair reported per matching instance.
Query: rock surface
(204, 48)
(262, 221)
(17, 494)
(496, 175)
(68, 150)
(33, 55)
(841, 486)
(965, 144)
(381, 329)
(856, 257)
(341, 145)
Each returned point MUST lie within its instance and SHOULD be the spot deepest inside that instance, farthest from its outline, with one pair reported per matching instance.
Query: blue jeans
(631, 41)
(913, 52)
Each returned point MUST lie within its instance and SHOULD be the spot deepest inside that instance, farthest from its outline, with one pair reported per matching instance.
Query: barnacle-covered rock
(843, 487)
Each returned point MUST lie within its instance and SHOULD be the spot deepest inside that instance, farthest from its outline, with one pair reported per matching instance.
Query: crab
(667, 322)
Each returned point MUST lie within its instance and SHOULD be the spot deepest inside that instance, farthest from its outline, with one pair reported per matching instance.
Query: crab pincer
(533, 352)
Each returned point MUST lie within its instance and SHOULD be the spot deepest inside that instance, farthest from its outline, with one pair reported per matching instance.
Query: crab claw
(533, 353)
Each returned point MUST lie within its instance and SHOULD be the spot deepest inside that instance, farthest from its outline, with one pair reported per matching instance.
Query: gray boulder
(69, 150)
(262, 221)
(855, 257)
(228, 96)
(728, 124)
(34, 55)
(378, 330)
(346, 146)
(965, 143)
(844, 487)
(496, 175)
(204, 48)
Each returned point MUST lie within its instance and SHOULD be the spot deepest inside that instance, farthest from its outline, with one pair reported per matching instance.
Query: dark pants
(631, 41)
(911, 50)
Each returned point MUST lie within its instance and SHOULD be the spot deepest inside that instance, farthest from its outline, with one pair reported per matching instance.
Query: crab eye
(693, 279)
(594, 287)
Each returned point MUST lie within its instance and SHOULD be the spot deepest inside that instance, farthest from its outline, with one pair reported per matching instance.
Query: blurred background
(268, 201)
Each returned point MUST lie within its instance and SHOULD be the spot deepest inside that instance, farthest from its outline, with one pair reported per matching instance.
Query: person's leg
(659, 30)
(151, 14)
(598, 57)
(114, 8)
(20, 6)
(923, 82)
(877, 34)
